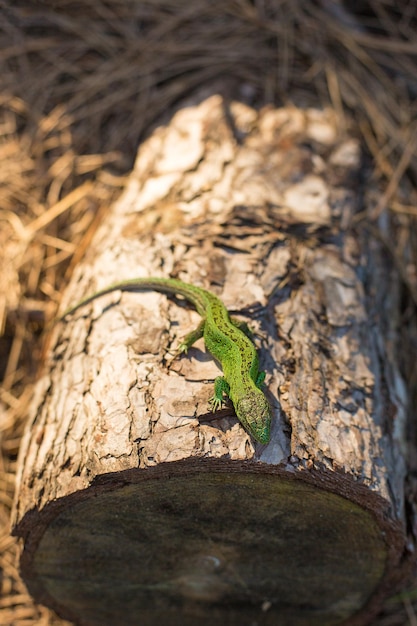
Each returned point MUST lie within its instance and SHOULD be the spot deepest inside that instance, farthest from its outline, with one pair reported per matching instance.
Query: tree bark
(133, 500)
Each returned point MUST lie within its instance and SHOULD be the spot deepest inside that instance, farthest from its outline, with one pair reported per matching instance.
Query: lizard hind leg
(221, 388)
(191, 338)
(243, 326)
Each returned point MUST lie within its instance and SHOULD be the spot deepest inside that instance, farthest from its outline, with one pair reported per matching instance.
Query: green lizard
(226, 339)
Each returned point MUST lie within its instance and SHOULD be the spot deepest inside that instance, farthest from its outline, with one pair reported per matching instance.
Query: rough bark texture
(120, 448)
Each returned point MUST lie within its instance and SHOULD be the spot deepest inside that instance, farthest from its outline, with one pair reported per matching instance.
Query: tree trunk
(137, 505)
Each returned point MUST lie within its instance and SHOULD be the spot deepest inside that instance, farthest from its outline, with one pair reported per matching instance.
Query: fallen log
(134, 501)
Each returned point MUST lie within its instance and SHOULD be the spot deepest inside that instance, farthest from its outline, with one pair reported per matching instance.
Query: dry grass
(81, 84)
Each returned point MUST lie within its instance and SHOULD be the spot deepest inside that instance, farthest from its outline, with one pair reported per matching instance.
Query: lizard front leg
(221, 388)
(259, 382)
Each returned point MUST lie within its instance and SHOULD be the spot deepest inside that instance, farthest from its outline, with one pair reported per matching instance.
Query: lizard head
(254, 412)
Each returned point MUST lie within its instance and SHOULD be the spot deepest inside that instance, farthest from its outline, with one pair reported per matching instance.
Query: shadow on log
(135, 504)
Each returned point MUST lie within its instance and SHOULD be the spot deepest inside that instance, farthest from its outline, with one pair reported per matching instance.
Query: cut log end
(211, 540)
